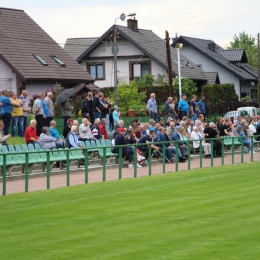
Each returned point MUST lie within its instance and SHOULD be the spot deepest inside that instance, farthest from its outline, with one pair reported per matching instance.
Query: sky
(215, 20)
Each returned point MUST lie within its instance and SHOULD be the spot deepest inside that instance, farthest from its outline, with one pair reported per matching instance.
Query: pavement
(76, 178)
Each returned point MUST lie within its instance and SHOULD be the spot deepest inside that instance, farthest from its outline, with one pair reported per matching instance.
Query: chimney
(212, 46)
(132, 24)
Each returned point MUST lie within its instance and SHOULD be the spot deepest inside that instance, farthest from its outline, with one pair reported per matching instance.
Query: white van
(251, 111)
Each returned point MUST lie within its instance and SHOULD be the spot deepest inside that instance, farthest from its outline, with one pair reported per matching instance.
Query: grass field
(210, 213)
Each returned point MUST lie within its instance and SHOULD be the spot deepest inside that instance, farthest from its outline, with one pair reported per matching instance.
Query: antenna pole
(115, 68)
(258, 86)
(169, 60)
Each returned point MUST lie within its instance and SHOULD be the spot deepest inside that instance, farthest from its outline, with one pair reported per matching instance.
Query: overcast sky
(216, 20)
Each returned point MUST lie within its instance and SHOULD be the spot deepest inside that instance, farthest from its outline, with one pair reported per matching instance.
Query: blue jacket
(176, 137)
(201, 105)
(159, 137)
(183, 106)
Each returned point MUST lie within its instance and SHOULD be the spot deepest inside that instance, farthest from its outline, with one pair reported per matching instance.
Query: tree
(188, 87)
(249, 44)
(130, 97)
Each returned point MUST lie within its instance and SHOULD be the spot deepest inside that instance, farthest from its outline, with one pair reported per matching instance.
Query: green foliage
(146, 80)
(216, 93)
(249, 44)
(129, 96)
(188, 87)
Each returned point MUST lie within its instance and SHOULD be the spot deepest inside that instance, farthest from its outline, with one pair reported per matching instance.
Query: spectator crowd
(101, 120)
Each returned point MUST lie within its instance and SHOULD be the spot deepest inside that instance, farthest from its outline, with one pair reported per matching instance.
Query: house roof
(202, 46)
(236, 55)
(21, 37)
(76, 46)
(152, 46)
(212, 77)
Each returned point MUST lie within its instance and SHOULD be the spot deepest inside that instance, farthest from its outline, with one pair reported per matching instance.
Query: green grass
(15, 140)
(210, 213)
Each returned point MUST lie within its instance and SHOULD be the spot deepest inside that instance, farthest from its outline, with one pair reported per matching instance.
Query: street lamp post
(115, 50)
(179, 46)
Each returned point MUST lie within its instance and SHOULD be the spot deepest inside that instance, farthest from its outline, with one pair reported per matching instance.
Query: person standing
(97, 105)
(17, 116)
(85, 107)
(168, 107)
(105, 111)
(66, 111)
(183, 106)
(116, 115)
(46, 112)
(7, 109)
(152, 108)
(201, 105)
(91, 108)
(38, 112)
(48, 101)
(194, 108)
(175, 107)
(26, 110)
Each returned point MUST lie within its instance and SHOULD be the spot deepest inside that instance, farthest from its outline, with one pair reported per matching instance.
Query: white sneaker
(139, 166)
(254, 152)
(130, 165)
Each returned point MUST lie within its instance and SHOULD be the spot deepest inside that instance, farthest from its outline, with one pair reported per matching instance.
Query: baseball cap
(170, 119)
(69, 120)
(121, 129)
(116, 107)
(177, 127)
(152, 121)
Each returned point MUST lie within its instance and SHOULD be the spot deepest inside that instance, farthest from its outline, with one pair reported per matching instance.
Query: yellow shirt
(17, 111)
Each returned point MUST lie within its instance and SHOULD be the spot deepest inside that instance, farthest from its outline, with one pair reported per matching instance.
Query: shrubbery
(216, 93)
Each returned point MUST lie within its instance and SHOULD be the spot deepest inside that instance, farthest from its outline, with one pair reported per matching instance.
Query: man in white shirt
(85, 133)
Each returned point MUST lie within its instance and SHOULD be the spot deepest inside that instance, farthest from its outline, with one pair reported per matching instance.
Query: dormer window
(41, 60)
(62, 64)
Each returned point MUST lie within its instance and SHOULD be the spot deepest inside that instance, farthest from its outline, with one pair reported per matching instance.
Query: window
(62, 64)
(139, 69)
(41, 60)
(97, 70)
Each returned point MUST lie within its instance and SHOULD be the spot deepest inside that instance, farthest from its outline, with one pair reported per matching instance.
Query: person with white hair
(96, 130)
(72, 139)
(196, 143)
(85, 133)
(49, 104)
(30, 134)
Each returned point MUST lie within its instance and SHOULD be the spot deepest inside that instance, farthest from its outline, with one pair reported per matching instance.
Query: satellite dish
(117, 49)
(122, 17)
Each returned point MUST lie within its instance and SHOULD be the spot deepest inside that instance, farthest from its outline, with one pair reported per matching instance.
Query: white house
(139, 52)
(231, 65)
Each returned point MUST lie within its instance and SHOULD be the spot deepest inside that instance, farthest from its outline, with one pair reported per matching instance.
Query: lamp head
(132, 14)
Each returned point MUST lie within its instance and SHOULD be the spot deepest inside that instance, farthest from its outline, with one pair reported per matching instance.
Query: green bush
(129, 97)
(216, 93)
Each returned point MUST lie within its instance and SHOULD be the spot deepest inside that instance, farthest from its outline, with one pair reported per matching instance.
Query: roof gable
(152, 46)
(236, 55)
(76, 46)
(21, 37)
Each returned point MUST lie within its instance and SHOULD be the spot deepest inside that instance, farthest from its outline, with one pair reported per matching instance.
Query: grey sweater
(47, 141)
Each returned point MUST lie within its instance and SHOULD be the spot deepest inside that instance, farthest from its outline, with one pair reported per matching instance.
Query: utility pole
(169, 61)
(258, 86)
(115, 68)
